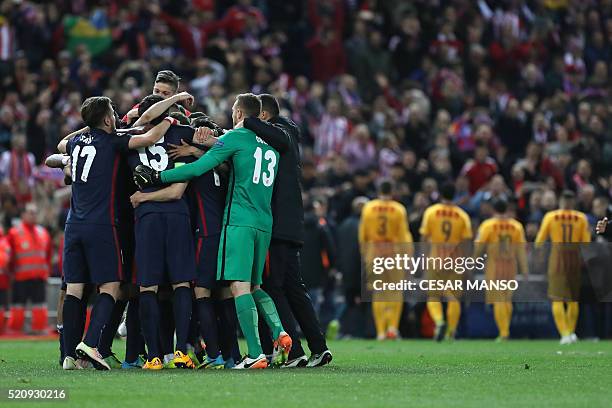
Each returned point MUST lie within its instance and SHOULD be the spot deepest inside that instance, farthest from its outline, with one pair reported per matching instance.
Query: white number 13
(268, 177)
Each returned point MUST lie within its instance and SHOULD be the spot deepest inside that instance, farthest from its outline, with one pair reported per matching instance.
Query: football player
(503, 240)
(247, 223)
(445, 226)
(206, 195)
(564, 228)
(164, 245)
(384, 224)
(92, 252)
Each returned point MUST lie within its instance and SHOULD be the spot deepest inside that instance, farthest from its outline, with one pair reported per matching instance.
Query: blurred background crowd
(504, 98)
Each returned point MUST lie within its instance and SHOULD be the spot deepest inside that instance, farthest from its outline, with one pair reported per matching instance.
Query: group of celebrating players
(186, 254)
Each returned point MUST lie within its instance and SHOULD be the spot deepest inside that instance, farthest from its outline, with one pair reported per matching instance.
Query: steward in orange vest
(30, 267)
(5, 257)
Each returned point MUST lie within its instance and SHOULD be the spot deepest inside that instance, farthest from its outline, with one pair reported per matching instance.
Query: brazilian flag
(93, 33)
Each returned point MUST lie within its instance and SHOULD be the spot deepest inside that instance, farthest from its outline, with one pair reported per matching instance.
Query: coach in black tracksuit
(283, 282)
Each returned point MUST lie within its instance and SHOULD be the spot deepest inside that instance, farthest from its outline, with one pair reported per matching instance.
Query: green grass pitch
(363, 374)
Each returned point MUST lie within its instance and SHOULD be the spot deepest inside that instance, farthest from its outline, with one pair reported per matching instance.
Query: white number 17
(87, 151)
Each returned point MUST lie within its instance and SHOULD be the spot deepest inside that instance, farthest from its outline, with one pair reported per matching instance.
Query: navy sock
(149, 318)
(208, 326)
(110, 330)
(166, 327)
(182, 316)
(134, 343)
(60, 330)
(73, 324)
(100, 316)
(228, 321)
(194, 326)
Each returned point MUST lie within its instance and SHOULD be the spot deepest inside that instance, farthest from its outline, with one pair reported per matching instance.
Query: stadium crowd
(504, 98)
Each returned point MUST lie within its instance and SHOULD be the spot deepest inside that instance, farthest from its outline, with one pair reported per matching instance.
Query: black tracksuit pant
(283, 282)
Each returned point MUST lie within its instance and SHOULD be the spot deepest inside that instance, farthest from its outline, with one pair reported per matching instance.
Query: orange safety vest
(31, 247)
(5, 257)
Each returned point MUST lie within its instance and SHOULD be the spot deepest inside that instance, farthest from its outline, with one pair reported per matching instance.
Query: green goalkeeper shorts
(242, 254)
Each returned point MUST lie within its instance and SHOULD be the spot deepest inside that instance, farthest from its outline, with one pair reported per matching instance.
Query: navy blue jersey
(95, 157)
(156, 157)
(207, 202)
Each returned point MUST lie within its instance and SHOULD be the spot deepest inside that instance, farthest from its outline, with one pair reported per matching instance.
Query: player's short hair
(94, 109)
(168, 77)
(568, 195)
(270, 104)
(385, 187)
(205, 121)
(500, 205)
(180, 116)
(149, 101)
(249, 104)
(447, 191)
(195, 115)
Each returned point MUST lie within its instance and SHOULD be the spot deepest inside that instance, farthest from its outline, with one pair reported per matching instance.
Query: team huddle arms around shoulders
(170, 223)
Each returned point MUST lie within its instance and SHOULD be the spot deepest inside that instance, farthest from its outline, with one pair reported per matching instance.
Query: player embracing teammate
(92, 251)
(247, 223)
(220, 252)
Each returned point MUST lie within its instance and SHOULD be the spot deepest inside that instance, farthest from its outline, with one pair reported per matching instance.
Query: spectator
(480, 169)
(332, 130)
(17, 166)
(360, 151)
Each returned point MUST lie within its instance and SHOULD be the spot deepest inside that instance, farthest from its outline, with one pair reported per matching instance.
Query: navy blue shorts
(92, 254)
(207, 249)
(164, 249)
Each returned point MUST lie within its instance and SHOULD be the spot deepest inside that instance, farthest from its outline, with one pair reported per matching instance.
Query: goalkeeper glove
(144, 176)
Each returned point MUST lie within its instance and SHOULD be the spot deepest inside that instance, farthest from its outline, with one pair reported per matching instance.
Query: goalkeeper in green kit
(247, 224)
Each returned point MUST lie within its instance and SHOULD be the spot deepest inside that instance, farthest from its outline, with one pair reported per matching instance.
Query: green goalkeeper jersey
(253, 170)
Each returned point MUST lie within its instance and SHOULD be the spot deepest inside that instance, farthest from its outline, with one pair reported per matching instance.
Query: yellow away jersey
(564, 226)
(501, 230)
(384, 221)
(502, 239)
(446, 224)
